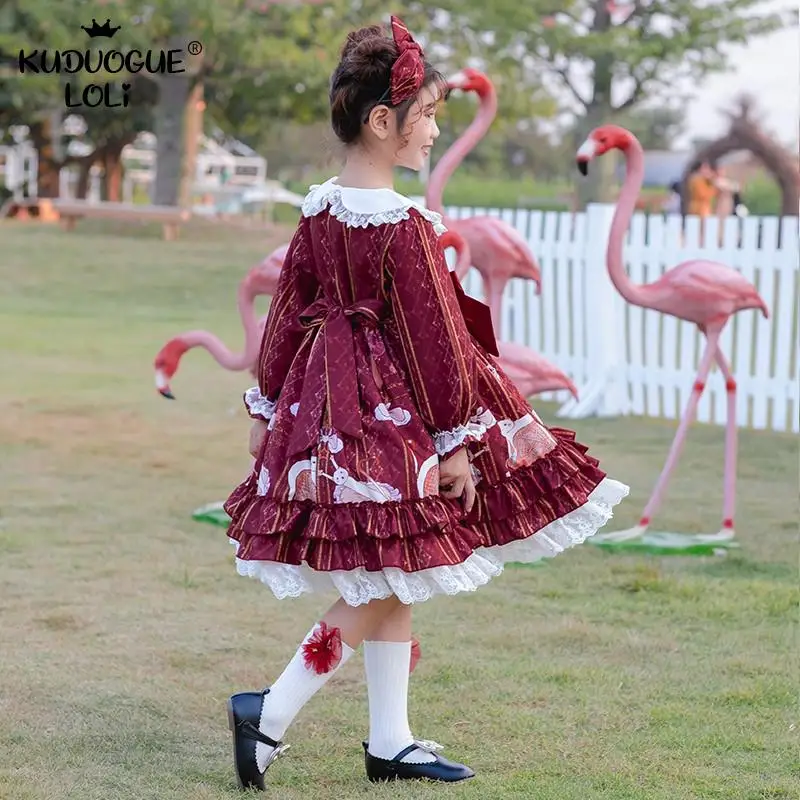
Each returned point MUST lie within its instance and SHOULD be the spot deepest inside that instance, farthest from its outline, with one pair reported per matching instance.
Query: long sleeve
(297, 288)
(435, 342)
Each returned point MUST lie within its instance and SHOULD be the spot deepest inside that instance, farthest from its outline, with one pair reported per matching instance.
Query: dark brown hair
(361, 81)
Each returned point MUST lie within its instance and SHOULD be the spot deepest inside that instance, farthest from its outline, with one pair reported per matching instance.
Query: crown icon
(101, 30)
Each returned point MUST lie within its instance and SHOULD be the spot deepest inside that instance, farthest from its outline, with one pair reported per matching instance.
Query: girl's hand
(455, 479)
(257, 433)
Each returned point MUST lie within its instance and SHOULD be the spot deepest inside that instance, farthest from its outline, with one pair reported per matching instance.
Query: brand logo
(101, 30)
(102, 61)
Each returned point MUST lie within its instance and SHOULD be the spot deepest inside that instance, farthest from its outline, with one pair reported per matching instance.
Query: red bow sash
(477, 317)
(331, 376)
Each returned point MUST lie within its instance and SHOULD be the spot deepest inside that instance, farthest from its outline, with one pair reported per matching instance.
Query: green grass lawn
(124, 628)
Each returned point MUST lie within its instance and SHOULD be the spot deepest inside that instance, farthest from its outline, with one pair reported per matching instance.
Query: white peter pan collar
(362, 207)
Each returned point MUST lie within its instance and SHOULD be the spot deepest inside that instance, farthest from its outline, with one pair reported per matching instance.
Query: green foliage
(465, 189)
(266, 64)
(762, 196)
(661, 41)
(657, 127)
(280, 70)
(27, 98)
(26, 25)
(625, 58)
(262, 64)
(469, 190)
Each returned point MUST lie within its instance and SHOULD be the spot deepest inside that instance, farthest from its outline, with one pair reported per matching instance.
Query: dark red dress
(368, 374)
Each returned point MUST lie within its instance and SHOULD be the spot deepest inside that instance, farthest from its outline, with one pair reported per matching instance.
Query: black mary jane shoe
(395, 769)
(244, 715)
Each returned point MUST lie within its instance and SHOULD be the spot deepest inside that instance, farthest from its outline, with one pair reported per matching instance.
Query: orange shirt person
(702, 190)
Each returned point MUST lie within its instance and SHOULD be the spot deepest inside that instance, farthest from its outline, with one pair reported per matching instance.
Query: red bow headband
(408, 71)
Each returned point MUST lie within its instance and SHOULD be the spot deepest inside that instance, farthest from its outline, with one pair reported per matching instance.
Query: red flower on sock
(323, 650)
(416, 654)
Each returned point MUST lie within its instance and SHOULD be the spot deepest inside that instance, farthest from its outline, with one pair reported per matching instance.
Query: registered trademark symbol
(195, 48)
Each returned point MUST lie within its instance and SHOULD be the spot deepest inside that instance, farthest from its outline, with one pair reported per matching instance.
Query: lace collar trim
(362, 207)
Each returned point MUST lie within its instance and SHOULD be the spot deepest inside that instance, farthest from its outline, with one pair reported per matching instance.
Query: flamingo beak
(586, 152)
(162, 384)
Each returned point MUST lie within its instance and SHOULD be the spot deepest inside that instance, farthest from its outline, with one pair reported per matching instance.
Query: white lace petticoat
(359, 586)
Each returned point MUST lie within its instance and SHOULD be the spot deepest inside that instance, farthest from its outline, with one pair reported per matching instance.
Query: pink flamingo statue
(261, 279)
(498, 251)
(703, 292)
(530, 372)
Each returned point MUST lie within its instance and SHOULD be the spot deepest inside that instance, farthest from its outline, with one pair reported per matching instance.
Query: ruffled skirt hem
(359, 586)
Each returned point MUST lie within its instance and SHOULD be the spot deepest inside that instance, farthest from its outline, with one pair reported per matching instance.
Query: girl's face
(420, 130)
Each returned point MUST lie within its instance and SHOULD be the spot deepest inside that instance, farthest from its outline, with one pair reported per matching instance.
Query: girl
(394, 461)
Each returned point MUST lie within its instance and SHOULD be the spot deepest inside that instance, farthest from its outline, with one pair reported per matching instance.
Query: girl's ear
(379, 120)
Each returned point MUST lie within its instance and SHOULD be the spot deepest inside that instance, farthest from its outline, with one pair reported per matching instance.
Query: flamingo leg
(729, 497)
(653, 504)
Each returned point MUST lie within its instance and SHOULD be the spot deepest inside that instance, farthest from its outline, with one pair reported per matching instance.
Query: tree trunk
(47, 179)
(173, 93)
(112, 174)
(84, 172)
(48, 167)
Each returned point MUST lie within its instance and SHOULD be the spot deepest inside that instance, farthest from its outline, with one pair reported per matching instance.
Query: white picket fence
(629, 360)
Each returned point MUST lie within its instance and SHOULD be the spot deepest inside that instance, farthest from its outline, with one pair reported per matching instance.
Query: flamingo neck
(493, 289)
(451, 238)
(457, 152)
(227, 359)
(246, 302)
(462, 257)
(626, 204)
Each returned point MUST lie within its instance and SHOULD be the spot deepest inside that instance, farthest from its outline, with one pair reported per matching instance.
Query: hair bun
(363, 78)
(355, 38)
(369, 53)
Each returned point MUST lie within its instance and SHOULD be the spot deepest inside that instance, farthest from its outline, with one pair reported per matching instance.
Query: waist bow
(331, 377)
(477, 317)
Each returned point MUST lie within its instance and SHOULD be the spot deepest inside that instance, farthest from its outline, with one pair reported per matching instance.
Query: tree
(655, 127)
(231, 33)
(109, 131)
(580, 42)
(281, 71)
(278, 72)
(36, 100)
(236, 57)
(39, 100)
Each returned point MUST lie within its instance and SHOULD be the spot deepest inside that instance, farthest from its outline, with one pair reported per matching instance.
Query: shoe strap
(405, 751)
(250, 731)
(420, 745)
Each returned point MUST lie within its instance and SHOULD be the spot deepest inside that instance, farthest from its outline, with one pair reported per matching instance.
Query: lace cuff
(258, 407)
(474, 430)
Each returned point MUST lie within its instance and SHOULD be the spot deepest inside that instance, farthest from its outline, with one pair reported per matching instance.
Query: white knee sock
(296, 685)
(387, 667)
